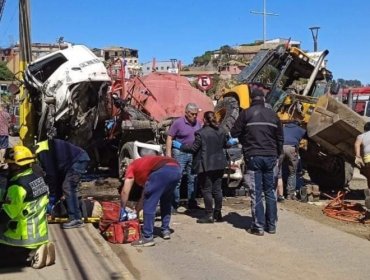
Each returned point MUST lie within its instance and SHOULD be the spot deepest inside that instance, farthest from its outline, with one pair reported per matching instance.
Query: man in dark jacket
(259, 130)
(63, 164)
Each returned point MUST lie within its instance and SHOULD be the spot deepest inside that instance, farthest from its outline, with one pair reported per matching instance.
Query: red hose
(347, 211)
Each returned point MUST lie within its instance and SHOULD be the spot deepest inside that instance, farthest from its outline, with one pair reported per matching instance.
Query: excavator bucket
(334, 126)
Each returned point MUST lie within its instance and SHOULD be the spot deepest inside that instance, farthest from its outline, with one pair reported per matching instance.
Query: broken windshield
(42, 70)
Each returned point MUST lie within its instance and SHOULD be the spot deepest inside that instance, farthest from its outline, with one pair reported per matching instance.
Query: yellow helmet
(20, 155)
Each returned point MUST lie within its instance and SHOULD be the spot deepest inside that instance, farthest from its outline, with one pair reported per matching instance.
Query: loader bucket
(335, 127)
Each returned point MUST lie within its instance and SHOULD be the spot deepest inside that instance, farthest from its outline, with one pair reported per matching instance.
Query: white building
(168, 66)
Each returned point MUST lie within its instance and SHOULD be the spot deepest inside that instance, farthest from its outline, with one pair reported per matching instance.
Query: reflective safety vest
(25, 204)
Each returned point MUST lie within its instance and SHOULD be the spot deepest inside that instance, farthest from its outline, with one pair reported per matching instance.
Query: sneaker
(166, 235)
(179, 210)
(281, 199)
(255, 231)
(50, 259)
(143, 242)
(39, 259)
(73, 224)
(207, 219)
(270, 231)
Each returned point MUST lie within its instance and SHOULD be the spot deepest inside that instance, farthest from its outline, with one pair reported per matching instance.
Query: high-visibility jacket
(25, 205)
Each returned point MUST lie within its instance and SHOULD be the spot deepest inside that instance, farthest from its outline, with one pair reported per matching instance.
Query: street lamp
(315, 32)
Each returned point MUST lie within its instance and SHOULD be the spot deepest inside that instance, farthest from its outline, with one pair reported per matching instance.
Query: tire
(332, 180)
(227, 110)
(125, 155)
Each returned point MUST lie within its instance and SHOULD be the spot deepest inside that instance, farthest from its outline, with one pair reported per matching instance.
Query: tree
(203, 59)
(5, 74)
(227, 50)
(349, 83)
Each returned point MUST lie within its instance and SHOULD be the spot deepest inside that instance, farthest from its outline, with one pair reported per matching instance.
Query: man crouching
(23, 223)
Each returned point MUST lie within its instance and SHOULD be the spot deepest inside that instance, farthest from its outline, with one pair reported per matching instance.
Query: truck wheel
(125, 156)
(332, 180)
(227, 110)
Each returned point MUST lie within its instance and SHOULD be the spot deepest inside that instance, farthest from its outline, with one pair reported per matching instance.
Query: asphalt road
(301, 249)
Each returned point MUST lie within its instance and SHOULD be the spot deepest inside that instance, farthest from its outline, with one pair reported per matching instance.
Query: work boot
(217, 216)
(73, 224)
(193, 205)
(50, 259)
(207, 219)
(39, 258)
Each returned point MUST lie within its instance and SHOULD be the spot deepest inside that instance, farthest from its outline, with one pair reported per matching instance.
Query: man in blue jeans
(63, 164)
(182, 130)
(260, 132)
(158, 176)
(293, 134)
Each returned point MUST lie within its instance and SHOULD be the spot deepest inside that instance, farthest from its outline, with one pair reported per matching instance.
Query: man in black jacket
(259, 130)
(209, 163)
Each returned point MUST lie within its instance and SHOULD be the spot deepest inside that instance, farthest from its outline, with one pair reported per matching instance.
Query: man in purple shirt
(4, 132)
(182, 130)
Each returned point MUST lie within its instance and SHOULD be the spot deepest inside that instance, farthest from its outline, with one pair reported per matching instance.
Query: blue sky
(184, 29)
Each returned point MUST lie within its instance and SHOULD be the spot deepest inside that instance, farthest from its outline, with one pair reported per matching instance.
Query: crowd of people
(32, 182)
(196, 153)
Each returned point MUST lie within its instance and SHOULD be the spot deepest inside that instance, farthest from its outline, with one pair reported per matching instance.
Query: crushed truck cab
(67, 90)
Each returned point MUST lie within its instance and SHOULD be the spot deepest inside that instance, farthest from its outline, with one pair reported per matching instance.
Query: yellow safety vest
(25, 204)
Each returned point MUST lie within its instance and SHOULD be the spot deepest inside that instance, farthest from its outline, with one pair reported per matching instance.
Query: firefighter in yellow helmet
(23, 221)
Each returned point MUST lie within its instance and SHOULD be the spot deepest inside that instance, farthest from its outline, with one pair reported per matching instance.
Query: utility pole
(26, 120)
(315, 33)
(264, 14)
